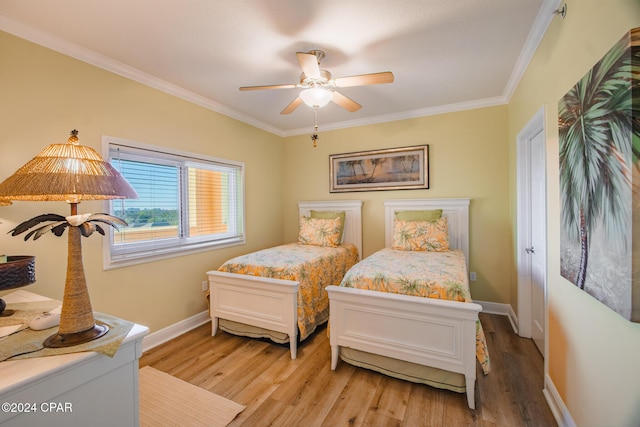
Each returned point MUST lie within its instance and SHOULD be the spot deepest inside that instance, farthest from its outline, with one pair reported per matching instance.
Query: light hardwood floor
(278, 391)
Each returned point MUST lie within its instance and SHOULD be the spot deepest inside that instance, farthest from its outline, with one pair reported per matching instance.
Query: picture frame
(403, 168)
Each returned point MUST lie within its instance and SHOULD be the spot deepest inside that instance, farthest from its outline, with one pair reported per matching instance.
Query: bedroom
(476, 160)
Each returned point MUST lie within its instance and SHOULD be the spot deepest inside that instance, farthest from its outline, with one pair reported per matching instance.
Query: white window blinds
(185, 203)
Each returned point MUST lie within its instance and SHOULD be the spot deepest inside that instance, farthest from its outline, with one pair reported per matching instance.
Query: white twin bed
(275, 307)
(437, 336)
(435, 333)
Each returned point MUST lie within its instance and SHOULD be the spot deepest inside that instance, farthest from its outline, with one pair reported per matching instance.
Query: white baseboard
(513, 318)
(501, 309)
(154, 339)
(494, 307)
(557, 406)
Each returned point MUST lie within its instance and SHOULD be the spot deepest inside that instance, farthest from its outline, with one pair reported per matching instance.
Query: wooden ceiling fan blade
(345, 102)
(309, 64)
(292, 106)
(365, 79)
(290, 86)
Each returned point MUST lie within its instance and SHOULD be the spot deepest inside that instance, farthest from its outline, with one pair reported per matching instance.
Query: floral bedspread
(314, 267)
(440, 275)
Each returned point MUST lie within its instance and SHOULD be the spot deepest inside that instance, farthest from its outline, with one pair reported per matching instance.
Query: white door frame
(535, 125)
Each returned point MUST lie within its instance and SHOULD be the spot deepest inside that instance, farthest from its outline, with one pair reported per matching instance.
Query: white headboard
(353, 218)
(455, 210)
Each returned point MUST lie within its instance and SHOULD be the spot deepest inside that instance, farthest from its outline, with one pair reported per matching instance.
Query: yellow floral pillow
(320, 231)
(421, 235)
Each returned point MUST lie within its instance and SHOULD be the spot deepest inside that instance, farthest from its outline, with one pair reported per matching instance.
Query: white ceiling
(446, 55)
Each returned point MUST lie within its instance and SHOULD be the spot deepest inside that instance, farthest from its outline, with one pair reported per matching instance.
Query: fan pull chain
(314, 136)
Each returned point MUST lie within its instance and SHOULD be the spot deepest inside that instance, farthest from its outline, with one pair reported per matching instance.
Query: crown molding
(90, 57)
(73, 50)
(412, 114)
(539, 28)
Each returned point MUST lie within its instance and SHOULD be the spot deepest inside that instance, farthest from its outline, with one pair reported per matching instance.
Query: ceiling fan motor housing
(323, 80)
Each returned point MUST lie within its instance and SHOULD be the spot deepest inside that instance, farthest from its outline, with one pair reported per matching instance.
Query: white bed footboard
(258, 301)
(430, 332)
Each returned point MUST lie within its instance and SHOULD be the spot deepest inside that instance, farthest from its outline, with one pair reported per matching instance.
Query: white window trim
(164, 253)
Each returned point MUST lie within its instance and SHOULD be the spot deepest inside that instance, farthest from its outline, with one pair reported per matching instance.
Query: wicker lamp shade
(69, 172)
(66, 172)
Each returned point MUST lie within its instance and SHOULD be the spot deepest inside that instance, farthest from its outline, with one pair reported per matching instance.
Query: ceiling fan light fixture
(316, 97)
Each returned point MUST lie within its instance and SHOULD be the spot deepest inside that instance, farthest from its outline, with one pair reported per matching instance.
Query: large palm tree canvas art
(599, 148)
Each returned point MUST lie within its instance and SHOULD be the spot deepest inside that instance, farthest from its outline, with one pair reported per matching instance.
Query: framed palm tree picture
(599, 149)
(404, 168)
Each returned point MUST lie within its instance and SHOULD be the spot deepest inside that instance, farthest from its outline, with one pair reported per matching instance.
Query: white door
(537, 238)
(531, 237)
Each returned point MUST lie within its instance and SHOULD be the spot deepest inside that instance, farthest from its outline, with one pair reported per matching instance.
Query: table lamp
(69, 172)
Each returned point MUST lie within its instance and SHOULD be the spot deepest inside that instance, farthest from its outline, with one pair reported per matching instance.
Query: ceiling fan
(320, 87)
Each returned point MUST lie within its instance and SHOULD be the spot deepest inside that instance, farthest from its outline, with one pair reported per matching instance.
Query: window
(185, 203)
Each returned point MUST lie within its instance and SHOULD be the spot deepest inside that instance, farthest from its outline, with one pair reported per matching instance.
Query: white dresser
(77, 389)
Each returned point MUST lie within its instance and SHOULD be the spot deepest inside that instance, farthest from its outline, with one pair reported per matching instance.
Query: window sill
(153, 256)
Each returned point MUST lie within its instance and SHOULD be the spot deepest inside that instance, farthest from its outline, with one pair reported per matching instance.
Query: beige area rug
(168, 401)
